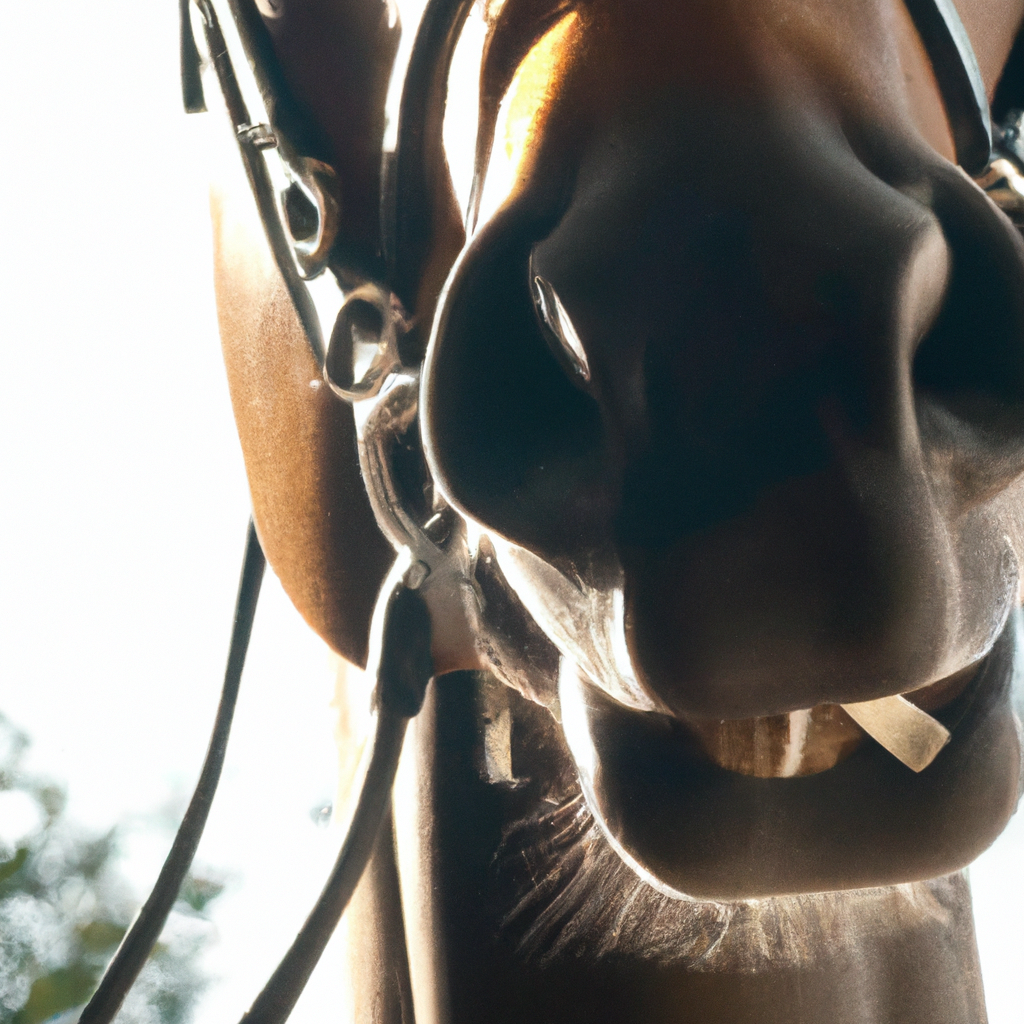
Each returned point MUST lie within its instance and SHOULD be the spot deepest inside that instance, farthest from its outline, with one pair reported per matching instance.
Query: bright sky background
(124, 505)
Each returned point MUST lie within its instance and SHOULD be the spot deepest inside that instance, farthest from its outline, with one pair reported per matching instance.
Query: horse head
(696, 417)
(722, 397)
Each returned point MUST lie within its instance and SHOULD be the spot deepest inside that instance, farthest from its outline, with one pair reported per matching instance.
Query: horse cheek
(298, 441)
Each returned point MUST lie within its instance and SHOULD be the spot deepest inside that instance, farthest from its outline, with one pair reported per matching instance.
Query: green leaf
(53, 799)
(11, 867)
(198, 892)
(60, 990)
(100, 936)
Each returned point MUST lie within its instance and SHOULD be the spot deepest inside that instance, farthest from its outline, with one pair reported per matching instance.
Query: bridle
(365, 359)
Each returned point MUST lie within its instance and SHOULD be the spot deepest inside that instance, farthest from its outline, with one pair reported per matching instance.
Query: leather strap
(959, 77)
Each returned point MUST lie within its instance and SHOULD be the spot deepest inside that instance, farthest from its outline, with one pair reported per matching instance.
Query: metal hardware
(312, 191)
(253, 141)
(259, 135)
(363, 350)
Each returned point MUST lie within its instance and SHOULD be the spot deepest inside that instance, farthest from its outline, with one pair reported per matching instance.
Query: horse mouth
(806, 741)
(587, 626)
(798, 743)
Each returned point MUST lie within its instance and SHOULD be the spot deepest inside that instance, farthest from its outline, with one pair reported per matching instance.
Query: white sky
(124, 503)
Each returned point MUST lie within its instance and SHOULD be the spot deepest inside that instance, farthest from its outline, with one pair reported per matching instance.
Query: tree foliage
(64, 907)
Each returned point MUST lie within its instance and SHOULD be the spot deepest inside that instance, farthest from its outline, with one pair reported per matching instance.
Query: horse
(667, 479)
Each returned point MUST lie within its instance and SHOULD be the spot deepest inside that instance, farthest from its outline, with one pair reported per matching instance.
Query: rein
(295, 199)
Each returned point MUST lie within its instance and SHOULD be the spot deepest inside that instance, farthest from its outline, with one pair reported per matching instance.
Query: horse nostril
(559, 330)
(972, 359)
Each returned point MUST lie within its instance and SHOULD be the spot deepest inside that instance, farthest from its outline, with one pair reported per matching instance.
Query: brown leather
(335, 59)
